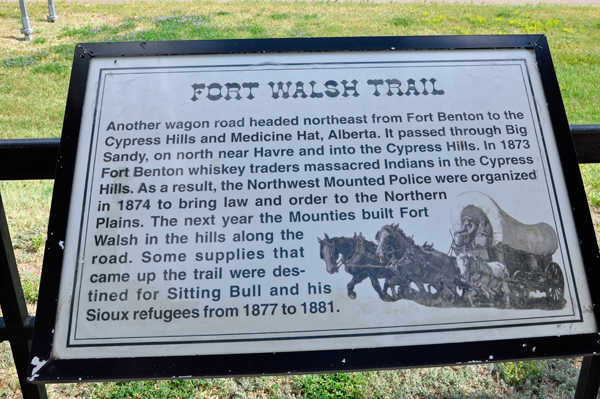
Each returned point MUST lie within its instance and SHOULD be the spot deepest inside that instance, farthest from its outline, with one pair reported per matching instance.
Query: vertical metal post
(589, 378)
(27, 29)
(14, 310)
(51, 12)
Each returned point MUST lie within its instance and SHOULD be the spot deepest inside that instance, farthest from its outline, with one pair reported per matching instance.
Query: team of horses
(416, 272)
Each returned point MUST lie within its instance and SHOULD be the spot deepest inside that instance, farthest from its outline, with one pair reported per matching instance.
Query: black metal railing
(35, 159)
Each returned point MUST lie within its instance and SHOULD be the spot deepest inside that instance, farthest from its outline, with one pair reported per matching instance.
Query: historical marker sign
(270, 205)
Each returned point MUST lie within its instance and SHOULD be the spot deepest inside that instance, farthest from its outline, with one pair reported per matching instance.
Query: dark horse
(411, 263)
(392, 243)
(424, 265)
(359, 259)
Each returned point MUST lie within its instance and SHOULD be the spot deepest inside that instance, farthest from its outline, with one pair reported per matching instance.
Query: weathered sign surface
(288, 202)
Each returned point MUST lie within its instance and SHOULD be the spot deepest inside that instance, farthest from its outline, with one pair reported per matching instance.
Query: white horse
(481, 277)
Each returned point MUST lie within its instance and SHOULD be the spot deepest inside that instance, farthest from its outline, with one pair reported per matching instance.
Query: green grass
(31, 104)
(591, 180)
(31, 286)
(34, 79)
(554, 378)
(27, 206)
(402, 21)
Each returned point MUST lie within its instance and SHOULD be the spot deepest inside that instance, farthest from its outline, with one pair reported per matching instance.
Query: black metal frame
(297, 362)
(16, 326)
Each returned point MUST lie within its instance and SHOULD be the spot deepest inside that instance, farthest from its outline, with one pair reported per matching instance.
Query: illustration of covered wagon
(519, 255)
(497, 261)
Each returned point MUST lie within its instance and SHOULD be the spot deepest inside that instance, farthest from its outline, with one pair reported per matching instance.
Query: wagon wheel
(555, 284)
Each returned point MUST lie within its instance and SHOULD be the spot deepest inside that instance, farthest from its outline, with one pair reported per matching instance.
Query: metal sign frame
(45, 367)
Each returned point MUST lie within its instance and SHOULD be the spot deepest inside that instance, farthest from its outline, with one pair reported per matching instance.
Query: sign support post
(14, 310)
(27, 29)
(52, 17)
(589, 378)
